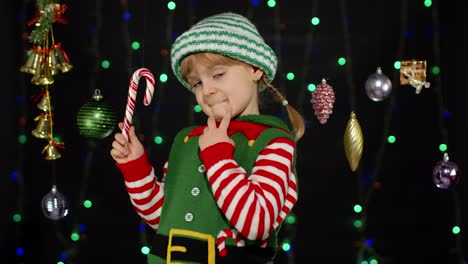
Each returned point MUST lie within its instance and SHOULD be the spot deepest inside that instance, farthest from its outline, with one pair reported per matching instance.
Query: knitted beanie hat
(229, 34)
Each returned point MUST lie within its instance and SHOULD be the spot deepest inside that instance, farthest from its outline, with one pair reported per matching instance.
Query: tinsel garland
(49, 12)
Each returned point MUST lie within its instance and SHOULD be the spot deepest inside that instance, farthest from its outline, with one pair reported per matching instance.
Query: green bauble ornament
(96, 119)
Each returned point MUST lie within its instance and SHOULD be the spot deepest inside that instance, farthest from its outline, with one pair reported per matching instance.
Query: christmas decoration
(46, 59)
(446, 174)
(353, 142)
(95, 118)
(132, 92)
(378, 86)
(322, 100)
(413, 72)
(51, 152)
(54, 205)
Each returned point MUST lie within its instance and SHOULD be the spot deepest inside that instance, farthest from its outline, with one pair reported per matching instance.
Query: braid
(297, 121)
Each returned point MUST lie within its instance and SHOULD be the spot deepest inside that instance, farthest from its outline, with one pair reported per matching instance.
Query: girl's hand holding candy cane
(126, 146)
(124, 150)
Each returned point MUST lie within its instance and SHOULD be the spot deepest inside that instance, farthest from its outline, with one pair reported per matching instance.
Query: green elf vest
(189, 208)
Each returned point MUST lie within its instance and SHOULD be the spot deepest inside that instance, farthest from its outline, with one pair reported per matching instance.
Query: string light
(105, 64)
(311, 87)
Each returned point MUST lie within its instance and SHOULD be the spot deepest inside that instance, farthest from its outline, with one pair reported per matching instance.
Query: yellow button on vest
(201, 168)
(251, 142)
(188, 217)
(195, 191)
(186, 138)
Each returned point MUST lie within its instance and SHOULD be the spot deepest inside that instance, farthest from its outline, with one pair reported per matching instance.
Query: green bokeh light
(435, 70)
(271, 3)
(427, 3)
(311, 87)
(315, 21)
(163, 77)
(171, 5)
(290, 219)
(145, 250)
(290, 76)
(22, 138)
(357, 223)
(397, 65)
(17, 218)
(75, 236)
(391, 139)
(135, 45)
(442, 147)
(197, 108)
(158, 139)
(105, 64)
(357, 208)
(87, 204)
(342, 61)
(456, 230)
(286, 246)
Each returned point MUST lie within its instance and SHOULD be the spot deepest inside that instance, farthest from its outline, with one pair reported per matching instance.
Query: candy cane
(132, 92)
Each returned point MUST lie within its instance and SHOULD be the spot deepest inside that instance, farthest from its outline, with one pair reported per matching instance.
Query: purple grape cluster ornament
(446, 174)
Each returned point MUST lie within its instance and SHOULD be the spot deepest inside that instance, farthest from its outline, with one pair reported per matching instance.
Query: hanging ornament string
(307, 57)
(132, 93)
(347, 46)
(367, 196)
(446, 165)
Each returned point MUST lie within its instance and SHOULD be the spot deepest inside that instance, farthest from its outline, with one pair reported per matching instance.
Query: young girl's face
(221, 85)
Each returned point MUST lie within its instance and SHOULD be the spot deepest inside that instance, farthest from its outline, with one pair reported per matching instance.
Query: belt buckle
(201, 236)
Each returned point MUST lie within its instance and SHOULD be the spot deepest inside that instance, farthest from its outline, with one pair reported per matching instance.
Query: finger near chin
(220, 110)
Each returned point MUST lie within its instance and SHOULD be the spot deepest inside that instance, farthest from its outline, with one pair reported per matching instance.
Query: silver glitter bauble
(378, 86)
(54, 205)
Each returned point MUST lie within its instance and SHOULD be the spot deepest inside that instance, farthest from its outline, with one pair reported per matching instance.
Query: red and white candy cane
(132, 92)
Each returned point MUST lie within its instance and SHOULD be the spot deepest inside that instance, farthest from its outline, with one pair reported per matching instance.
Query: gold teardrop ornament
(353, 142)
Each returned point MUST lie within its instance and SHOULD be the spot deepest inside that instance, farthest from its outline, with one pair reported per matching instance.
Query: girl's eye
(195, 85)
(218, 75)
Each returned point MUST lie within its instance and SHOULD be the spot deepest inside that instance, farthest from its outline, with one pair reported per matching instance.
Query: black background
(409, 219)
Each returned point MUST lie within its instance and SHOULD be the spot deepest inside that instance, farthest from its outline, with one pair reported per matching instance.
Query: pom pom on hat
(229, 34)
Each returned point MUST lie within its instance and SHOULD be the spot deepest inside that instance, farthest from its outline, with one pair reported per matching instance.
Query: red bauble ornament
(322, 100)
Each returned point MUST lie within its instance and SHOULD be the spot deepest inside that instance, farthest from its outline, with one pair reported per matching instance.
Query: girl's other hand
(213, 134)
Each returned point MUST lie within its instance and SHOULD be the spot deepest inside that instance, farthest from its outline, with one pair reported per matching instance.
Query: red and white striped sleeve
(254, 204)
(146, 193)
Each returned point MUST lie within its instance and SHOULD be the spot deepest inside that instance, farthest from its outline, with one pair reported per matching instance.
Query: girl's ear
(257, 74)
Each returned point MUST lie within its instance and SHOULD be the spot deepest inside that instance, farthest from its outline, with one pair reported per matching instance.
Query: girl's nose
(209, 88)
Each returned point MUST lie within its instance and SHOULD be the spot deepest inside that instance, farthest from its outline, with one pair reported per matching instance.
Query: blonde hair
(186, 66)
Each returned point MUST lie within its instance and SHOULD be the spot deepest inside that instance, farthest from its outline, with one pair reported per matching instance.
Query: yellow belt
(188, 233)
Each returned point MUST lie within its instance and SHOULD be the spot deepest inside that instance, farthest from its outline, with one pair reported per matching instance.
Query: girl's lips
(224, 101)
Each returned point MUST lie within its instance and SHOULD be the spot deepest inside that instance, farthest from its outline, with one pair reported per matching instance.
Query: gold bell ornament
(353, 142)
(32, 62)
(44, 126)
(44, 104)
(51, 151)
(43, 76)
(58, 60)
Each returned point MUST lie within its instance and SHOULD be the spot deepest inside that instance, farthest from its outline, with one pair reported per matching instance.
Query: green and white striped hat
(229, 34)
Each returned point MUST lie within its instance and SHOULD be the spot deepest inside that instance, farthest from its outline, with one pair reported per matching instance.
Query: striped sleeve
(146, 193)
(254, 204)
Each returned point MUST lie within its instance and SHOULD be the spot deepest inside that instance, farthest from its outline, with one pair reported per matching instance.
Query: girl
(228, 185)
